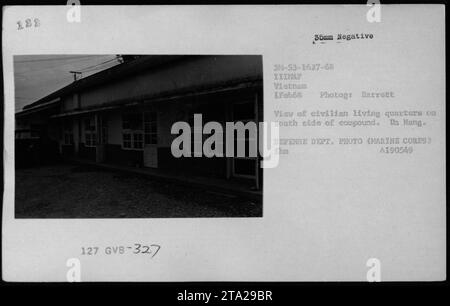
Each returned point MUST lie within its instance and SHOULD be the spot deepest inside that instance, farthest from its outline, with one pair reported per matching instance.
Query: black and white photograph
(100, 146)
(229, 145)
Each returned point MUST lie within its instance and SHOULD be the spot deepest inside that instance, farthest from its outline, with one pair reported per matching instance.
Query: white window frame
(148, 129)
(245, 121)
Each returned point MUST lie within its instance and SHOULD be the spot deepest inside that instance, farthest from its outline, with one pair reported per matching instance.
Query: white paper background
(326, 211)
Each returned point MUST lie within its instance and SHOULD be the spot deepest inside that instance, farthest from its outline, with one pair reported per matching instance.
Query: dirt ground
(73, 191)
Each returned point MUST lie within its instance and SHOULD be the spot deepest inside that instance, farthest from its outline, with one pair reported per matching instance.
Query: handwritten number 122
(28, 23)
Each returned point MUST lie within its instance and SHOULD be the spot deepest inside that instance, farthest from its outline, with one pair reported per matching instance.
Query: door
(245, 167)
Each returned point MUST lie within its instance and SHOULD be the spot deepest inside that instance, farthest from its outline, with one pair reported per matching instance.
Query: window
(150, 128)
(67, 133)
(103, 124)
(133, 131)
(90, 132)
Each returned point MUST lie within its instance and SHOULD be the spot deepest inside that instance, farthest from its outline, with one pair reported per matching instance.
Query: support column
(98, 147)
